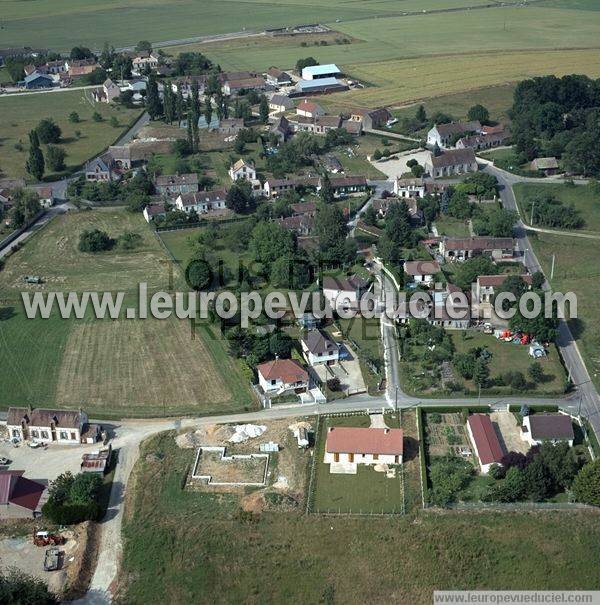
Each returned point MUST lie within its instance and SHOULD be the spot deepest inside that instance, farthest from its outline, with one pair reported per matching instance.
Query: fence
(514, 506)
(201, 223)
(9, 239)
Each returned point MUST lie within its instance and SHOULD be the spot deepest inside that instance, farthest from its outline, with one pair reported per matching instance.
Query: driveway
(45, 464)
(397, 167)
(508, 432)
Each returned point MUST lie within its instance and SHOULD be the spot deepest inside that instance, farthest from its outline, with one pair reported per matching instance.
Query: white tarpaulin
(243, 432)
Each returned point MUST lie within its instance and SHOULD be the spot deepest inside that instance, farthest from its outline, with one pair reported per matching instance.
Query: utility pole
(552, 270)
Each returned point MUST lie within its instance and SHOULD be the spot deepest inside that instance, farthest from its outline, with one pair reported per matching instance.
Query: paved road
(43, 220)
(586, 391)
(45, 91)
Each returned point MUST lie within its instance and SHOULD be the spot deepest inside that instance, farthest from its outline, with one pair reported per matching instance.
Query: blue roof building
(314, 72)
(38, 80)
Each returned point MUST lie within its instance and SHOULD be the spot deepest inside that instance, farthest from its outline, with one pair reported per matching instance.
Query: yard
(452, 227)
(584, 198)
(421, 378)
(178, 544)
(508, 357)
(20, 114)
(369, 491)
(124, 367)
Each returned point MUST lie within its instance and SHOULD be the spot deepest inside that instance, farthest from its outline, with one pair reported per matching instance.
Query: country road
(586, 390)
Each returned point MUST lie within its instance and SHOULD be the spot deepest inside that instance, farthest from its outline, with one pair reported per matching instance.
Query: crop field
(584, 198)
(118, 367)
(22, 113)
(124, 22)
(312, 559)
(575, 270)
(401, 81)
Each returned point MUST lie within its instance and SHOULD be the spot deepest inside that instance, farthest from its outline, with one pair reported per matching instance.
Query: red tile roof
(349, 440)
(16, 489)
(486, 440)
(286, 370)
(497, 280)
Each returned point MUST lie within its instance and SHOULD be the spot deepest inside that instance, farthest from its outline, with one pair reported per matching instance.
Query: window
(16, 433)
(34, 434)
(63, 435)
(44, 434)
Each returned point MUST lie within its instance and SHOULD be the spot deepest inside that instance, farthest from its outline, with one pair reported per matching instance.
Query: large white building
(201, 202)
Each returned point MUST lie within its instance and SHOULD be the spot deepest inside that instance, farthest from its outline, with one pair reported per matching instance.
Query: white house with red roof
(308, 109)
(346, 447)
(485, 441)
(281, 375)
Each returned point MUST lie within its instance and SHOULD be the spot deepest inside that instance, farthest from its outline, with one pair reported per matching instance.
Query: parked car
(4, 461)
(35, 444)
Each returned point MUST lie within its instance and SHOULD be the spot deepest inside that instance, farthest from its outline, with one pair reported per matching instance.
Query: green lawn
(575, 270)
(507, 357)
(452, 227)
(21, 114)
(178, 544)
(585, 199)
(113, 368)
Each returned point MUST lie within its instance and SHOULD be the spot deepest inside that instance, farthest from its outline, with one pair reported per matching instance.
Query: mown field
(178, 544)
(21, 114)
(584, 198)
(575, 270)
(117, 367)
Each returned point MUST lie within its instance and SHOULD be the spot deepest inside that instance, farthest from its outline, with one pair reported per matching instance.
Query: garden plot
(215, 467)
(447, 435)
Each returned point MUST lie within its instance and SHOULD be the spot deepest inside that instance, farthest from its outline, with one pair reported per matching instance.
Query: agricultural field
(315, 558)
(21, 114)
(575, 270)
(584, 198)
(118, 367)
(369, 491)
(400, 81)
